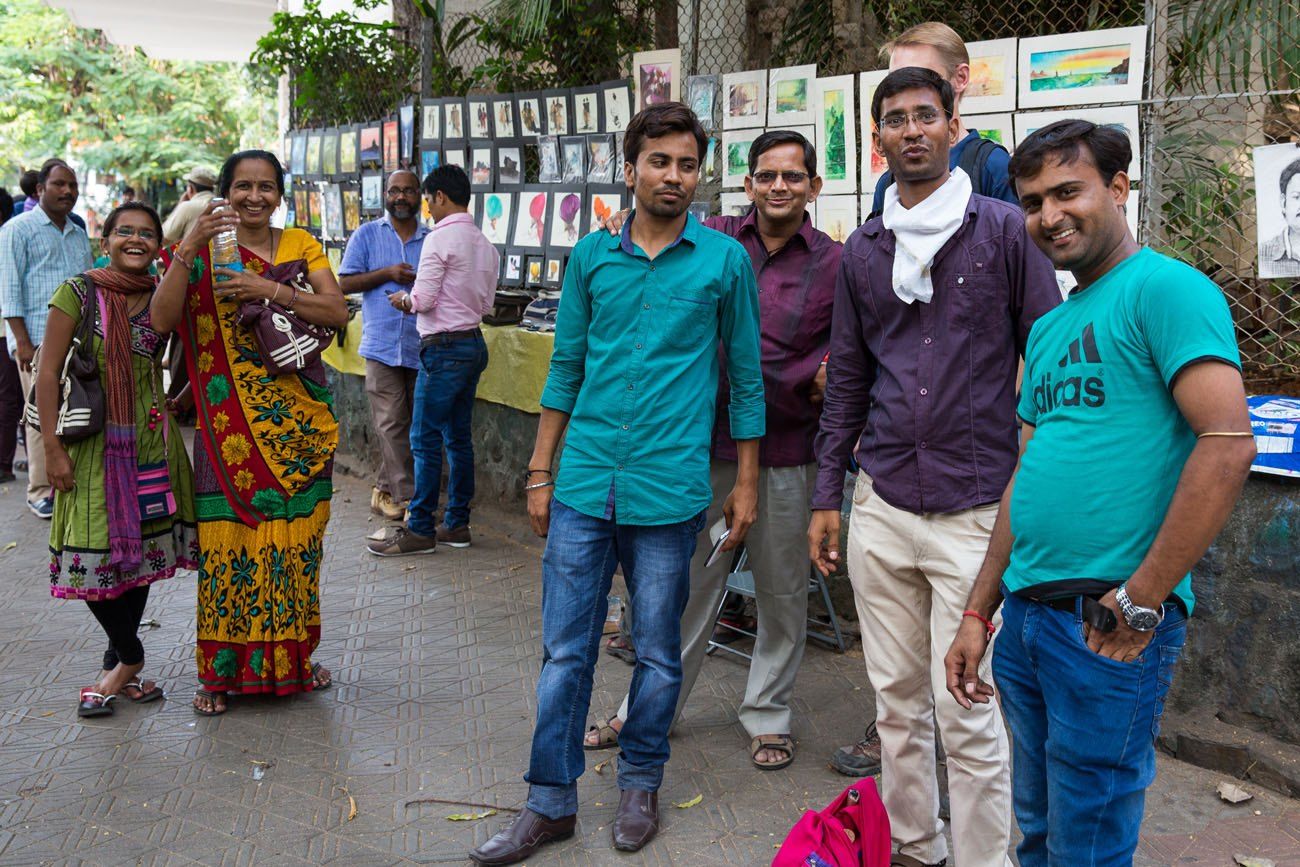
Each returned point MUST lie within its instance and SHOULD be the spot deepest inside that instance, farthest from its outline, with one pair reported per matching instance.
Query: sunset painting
(1104, 66)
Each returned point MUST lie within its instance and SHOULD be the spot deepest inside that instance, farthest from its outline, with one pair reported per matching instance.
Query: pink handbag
(852, 831)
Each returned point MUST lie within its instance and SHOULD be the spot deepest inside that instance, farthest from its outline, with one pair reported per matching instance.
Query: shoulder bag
(81, 395)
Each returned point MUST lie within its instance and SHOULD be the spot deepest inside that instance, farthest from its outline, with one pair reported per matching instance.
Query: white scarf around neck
(920, 232)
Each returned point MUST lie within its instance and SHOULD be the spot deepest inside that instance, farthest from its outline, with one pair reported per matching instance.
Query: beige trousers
(391, 392)
(38, 484)
(911, 575)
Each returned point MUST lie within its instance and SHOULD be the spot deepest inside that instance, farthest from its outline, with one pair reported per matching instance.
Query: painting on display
(735, 155)
(533, 266)
(992, 85)
(430, 159)
(555, 105)
(603, 201)
(391, 149)
(657, 75)
(329, 153)
(554, 276)
(873, 164)
(333, 205)
(349, 164)
(586, 110)
(601, 164)
(573, 159)
(503, 117)
(453, 154)
(709, 171)
(701, 96)
(351, 209)
(617, 99)
(498, 211)
(735, 204)
(836, 141)
(789, 96)
(1123, 116)
(480, 165)
(1277, 210)
(566, 218)
(837, 216)
(548, 159)
(405, 133)
(372, 192)
(530, 219)
(312, 169)
(300, 208)
(453, 119)
(744, 99)
(480, 118)
(994, 127)
(1082, 68)
(512, 269)
(510, 165)
(530, 113)
(430, 120)
(298, 155)
(371, 153)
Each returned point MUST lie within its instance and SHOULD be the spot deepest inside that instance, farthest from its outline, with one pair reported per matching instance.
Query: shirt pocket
(687, 320)
(979, 301)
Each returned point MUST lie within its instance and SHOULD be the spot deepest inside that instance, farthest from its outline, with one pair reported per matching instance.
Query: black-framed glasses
(403, 191)
(766, 178)
(924, 117)
(128, 232)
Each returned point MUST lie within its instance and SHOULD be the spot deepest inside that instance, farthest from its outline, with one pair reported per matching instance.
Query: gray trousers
(391, 391)
(778, 557)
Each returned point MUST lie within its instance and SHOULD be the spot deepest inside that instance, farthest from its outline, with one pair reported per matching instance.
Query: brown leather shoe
(525, 835)
(637, 819)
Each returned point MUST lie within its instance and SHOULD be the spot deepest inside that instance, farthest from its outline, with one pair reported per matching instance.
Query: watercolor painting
(480, 167)
(744, 99)
(548, 156)
(573, 156)
(735, 155)
(510, 165)
(530, 220)
(348, 164)
(480, 119)
(391, 162)
(586, 111)
(557, 113)
(601, 207)
(455, 156)
(298, 155)
(1104, 66)
(514, 269)
(313, 154)
(430, 159)
(702, 98)
(497, 209)
(600, 149)
(453, 120)
(329, 152)
(351, 210)
(566, 209)
(430, 120)
(503, 116)
(1082, 68)
(406, 133)
(372, 192)
(837, 216)
(618, 105)
(530, 115)
(657, 76)
(836, 141)
(992, 85)
(790, 95)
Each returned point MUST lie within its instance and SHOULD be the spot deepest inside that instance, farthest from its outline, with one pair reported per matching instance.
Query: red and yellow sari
(262, 465)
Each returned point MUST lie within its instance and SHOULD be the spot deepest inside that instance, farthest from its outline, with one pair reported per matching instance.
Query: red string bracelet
(988, 624)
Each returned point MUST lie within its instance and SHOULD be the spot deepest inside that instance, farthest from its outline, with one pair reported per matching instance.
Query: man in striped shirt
(39, 250)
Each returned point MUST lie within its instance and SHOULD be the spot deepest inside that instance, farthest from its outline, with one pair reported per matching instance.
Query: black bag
(81, 395)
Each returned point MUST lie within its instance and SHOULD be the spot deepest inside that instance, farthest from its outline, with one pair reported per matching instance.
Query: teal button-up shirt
(635, 366)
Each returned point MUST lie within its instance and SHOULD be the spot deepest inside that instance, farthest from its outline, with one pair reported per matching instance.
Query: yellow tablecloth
(344, 358)
(517, 364)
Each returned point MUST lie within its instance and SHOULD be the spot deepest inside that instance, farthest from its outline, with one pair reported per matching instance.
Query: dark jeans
(11, 407)
(120, 619)
(444, 408)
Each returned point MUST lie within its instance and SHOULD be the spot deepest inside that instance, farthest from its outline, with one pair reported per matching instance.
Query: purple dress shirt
(796, 291)
(928, 391)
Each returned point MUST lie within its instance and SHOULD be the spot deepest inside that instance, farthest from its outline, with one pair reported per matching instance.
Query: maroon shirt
(928, 391)
(796, 291)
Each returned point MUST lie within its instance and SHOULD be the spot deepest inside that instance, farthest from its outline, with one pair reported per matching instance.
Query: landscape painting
(836, 141)
(1082, 68)
(992, 85)
(735, 155)
(790, 95)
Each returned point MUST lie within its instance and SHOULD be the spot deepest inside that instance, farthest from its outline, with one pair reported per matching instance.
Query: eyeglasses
(765, 178)
(403, 191)
(128, 232)
(924, 117)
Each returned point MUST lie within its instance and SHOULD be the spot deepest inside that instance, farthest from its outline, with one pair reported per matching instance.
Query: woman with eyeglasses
(123, 501)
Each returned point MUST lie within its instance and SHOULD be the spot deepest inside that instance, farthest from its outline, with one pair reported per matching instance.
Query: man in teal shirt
(1135, 444)
(633, 377)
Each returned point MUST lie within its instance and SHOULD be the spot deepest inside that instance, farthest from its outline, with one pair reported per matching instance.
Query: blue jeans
(1083, 728)
(581, 553)
(444, 408)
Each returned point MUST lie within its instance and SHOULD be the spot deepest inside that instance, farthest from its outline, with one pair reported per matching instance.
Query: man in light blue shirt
(38, 251)
(381, 259)
(634, 378)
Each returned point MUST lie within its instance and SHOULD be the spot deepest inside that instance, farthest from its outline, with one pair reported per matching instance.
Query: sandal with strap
(142, 695)
(217, 710)
(316, 685)
(607, 736)
(91, 703)
(779, 743)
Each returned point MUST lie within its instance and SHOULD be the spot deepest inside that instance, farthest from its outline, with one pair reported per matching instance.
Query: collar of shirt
(420, 229)
(690, 234)
(749, 226)
(69, 225)
(451, 220)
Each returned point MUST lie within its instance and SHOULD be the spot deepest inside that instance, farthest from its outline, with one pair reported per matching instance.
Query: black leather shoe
(525, 835)
(637, 819)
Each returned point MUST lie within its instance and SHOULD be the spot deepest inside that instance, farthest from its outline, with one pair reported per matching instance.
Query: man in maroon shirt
(796, 266)
(933, 307)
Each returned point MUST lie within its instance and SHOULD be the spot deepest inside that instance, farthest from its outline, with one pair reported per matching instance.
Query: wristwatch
(1138, 618)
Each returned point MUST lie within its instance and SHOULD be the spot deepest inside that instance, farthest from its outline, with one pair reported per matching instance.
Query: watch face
(1143, 620)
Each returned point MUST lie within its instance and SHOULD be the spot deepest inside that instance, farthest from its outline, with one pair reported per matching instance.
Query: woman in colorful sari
(264, 445)
(123, 505)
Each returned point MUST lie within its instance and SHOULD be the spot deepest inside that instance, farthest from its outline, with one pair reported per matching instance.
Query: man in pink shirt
(455, 285)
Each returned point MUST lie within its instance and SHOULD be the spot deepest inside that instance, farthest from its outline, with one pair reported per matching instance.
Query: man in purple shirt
(795, 265)
(933, 306)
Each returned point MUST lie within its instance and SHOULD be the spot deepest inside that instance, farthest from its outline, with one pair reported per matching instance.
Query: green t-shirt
(1109, 442)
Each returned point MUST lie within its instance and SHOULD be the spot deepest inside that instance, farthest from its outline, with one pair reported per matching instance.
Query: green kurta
(79, 549)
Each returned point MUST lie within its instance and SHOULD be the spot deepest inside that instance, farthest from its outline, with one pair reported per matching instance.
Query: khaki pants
(911, 575)
(38, 484)
(391, 391)
(778, 557)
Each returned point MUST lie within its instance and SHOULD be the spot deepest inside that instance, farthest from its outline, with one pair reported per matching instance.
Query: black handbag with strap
(81, 395)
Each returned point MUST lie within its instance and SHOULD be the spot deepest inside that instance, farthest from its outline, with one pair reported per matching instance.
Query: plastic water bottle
(225, 249)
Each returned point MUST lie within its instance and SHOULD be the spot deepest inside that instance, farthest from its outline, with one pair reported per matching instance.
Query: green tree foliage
(66, 91)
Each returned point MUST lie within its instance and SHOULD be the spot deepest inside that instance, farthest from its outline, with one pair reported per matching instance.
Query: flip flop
(779, 743)
(92, 703)
(315, 670)
(607, 736)
(212, 697)
(143, 696)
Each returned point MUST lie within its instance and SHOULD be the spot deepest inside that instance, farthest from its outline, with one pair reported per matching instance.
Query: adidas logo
(1089, 391)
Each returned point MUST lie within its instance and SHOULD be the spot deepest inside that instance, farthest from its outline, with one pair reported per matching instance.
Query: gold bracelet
(1225, 433)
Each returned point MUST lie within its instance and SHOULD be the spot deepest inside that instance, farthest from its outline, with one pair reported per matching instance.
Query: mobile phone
(717, 548)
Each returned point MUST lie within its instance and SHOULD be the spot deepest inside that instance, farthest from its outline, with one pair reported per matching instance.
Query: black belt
(448, 336)
(1095, 614)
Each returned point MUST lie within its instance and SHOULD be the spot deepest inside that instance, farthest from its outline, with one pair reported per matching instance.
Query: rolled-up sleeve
(569, 356)
(356, 255)
(740, 337)
(849, 374)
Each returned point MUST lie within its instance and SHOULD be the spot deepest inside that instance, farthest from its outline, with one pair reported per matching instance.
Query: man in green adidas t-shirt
(1135, 444)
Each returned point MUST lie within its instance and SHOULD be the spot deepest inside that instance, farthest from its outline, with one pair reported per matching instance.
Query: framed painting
(453, 118)
(548, 159)
(553, 276)
(479, 117)
(790, 96)
(1082, 68)
(312, 169)
(658, 77)
(329, 153)
(301, 211)
(405, 134)
(873, 164)
(701, 95)
(735, 155)
(430, 120)
(316, 210)
(481, 165)
(453, 153)
(349, 163)
(531, 218)
(992, 85)
(1277, 210)
(498, 216)
(512, 268)
(616, 97)
(372, 192)
(392, 146)
(529, 111)
(557, 111)
(587, 110)
(298, 155)
(564, 227)
(509, 165)
(836, 140)
(744, 99)
(573, 159)
(332, 198)
(533, 271)
(351, 208)
(503, 118)
(735, 204)
(601, 163)
(1123, 116)
(837, 216)
(603, 201)
(430, 158)
(709, 170)
(994, 127)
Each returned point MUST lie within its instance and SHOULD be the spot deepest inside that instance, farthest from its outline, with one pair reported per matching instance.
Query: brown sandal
(779, 743)
(607, 736)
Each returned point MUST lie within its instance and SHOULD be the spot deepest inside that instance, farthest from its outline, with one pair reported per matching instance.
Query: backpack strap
(974, 159)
